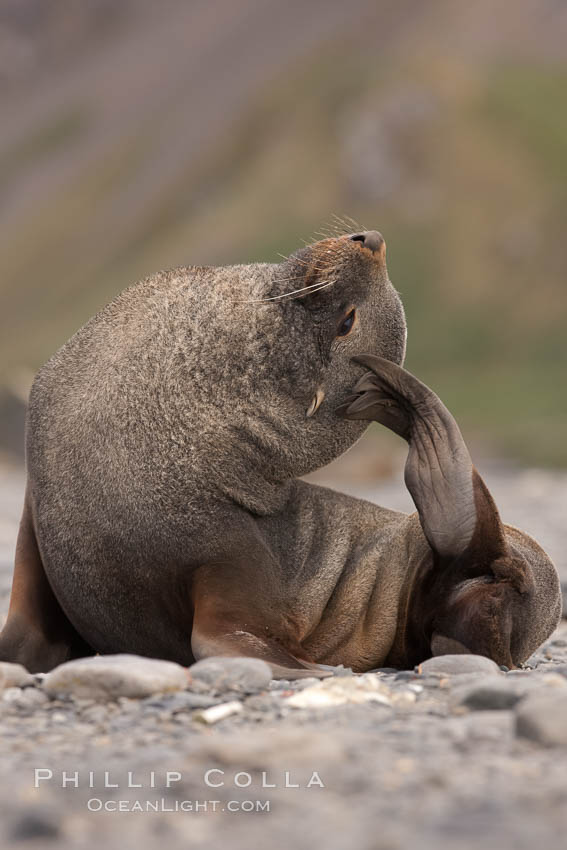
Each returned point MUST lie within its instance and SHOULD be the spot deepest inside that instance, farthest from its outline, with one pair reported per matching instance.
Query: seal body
(163, 513)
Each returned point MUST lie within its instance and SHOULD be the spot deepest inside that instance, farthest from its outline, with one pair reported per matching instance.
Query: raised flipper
(481, 584)
(37, 633)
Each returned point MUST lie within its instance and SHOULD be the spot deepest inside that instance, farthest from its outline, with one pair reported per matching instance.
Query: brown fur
(164, 515)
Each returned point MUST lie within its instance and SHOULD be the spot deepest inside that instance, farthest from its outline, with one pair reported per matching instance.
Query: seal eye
(345, 326)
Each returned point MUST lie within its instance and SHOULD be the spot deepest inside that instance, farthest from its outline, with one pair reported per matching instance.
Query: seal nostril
(371, 239)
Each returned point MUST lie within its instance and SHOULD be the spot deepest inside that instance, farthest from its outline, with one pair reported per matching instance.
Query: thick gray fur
(175, 421)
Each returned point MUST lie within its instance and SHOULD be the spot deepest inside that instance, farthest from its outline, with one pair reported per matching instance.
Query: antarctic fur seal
(164, 516)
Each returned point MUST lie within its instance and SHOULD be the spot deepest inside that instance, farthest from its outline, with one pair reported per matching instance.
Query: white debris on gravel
(218, 712)
(351, 689)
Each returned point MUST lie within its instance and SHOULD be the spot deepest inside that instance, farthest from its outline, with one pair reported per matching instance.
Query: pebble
(456, 665)
(25, 698)
(542, 717)
(108, 677)
(14, 676)
(406, 676)
(182, 701)
(279, 685)
(35, 825)
(239, 675)
(490, 696)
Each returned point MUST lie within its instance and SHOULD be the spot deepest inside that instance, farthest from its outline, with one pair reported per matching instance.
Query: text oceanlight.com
(95, 804)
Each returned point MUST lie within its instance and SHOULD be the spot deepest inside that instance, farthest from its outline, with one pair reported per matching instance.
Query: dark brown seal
(164, 515)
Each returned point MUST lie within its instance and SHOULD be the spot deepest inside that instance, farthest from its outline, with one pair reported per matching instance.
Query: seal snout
(370, 239)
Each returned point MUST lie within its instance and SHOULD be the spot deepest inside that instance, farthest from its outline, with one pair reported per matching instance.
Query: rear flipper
(235, 614)
(37, 633)
(490, 589)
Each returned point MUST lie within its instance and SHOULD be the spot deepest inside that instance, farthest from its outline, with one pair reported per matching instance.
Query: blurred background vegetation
(137, 135)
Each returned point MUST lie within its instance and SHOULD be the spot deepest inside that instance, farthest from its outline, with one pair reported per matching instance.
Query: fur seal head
(223, 381)
(306, 319)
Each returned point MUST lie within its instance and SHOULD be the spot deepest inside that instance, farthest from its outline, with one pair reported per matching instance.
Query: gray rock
(406, 676)
(182, 701)
(242, 675)
(39, 824)
(28, 698)
(337, 670)
(108, 677)
(454, 665)
(279, 685)
(492, 695)
(543, 718)
(14, 676)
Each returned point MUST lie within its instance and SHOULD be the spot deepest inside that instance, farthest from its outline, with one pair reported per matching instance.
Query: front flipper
(37, 633)
(457, 513)
(233, 615)
(486, 590)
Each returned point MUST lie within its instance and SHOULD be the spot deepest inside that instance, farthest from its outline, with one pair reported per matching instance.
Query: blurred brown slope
(138, 135)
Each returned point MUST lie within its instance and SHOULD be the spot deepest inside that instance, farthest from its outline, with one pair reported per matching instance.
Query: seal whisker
(315, 287)
(342, 225)
(308, 265)
(337, 229)
(357, 225)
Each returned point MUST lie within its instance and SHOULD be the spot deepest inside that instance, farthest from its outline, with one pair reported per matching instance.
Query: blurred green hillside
(446, 130)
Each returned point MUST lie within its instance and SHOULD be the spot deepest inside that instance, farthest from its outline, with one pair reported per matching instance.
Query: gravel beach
(455, 754)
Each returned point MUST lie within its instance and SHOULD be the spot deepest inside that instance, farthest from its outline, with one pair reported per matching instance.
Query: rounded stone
(454, 665)
(243, 675)
(108, 677)
(28, 698)
(14, 676)
(183, 701)
(37, 825)
(491, 696)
